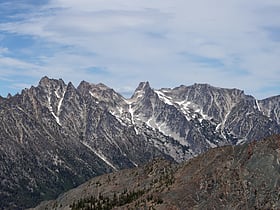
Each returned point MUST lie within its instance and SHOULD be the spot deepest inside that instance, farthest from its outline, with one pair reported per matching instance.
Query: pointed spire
(83, 87)
(43, 81)
(70, 87)
(143, 86)
(9, 96)
(143, 89)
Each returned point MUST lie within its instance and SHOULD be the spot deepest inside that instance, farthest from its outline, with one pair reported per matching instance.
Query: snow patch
(149, 123)
(164, 98)
(223, 124)
(135, 164)
(218, 126)
(100, 155)
(204, 116)
(56, 94)
(258, 106)
(211, 144)
(118, 117)
(163, 128)
(189, 109)
(131, 111)
(91, 93)
(60, 103)
(56, 160)
(241, 141)
(139, 93)
(56, 116)
(51, 109)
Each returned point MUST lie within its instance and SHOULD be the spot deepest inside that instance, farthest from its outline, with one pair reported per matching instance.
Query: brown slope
(240, 177)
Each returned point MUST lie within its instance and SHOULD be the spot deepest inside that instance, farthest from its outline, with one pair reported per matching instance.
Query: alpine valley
(55, 136)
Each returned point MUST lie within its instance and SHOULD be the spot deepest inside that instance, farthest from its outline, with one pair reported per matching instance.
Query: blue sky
(233, 43)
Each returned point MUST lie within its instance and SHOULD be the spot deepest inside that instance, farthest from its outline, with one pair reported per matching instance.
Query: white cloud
(14, 66)
(225, 43)
(3, 50)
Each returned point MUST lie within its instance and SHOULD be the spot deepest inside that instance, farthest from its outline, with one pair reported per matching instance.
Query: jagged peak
(204, 88)
(143, 86)
(99, 91)
(142, 89)
(83, 84)
(103, 91)
(70, 91)
(46, 81)
(208, 86)
(197, 86)
(70, 86)
(86, 85)
(102, 86)
(9, 95)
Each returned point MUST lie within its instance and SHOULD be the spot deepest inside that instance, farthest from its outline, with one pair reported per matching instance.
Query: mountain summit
(55, 136)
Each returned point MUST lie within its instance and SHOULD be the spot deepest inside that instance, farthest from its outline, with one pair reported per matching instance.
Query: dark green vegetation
(105, 203)
(127, 197)
(231, 177)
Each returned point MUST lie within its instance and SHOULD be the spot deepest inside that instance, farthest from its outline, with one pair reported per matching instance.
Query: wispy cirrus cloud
(120, 42)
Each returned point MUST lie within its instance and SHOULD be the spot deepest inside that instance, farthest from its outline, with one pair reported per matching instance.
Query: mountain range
(56, 136)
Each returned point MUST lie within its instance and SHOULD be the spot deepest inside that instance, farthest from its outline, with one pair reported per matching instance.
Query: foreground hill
(231, 177)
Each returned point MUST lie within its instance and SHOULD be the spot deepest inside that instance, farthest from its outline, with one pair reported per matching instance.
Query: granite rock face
(55, 136)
